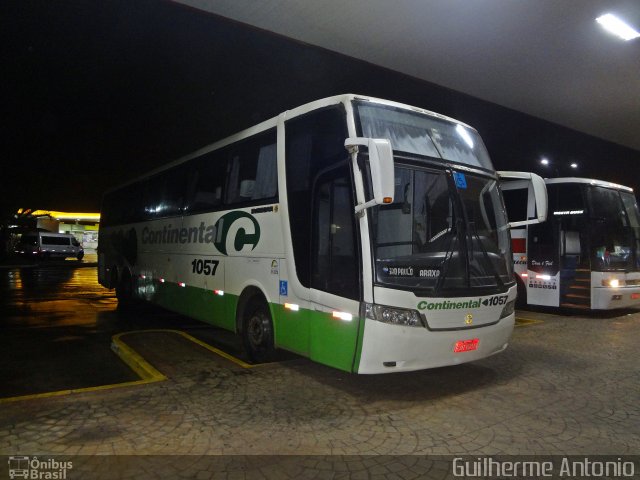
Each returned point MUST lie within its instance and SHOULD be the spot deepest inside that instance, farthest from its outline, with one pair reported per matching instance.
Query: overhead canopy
(547, 58)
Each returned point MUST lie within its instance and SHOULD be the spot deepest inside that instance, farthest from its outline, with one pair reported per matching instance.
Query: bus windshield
(440, 235)
(446, 231)
(614, 230)
(631, 208)
(416, 133)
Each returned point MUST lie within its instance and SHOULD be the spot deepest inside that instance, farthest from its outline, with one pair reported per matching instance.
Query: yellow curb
(139, 365)
(136, 362)
(60, 393)
(525, 322)
(215, 350)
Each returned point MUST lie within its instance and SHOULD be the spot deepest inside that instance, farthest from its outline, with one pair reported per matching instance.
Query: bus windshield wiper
(447, 259)
(485, 254)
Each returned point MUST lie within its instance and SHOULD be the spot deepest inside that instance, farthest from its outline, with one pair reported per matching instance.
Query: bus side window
(314, 142)
(252, 172)
(206, 181)
(129, 201)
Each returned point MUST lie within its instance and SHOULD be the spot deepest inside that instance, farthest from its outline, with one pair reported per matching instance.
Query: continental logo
(450, 305)
(231, 233)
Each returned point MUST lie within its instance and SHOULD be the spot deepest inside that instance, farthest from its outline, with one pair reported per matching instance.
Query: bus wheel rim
(256, 330)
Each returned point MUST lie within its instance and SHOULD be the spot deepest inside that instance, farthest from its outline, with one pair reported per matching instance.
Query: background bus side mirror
(381, 166)
(537, 194)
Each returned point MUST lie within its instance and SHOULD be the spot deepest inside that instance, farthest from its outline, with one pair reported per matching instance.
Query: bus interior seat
(247, 188)
(208, 198)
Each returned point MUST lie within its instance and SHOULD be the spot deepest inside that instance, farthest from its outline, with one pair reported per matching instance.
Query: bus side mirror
(537, 195)
(381, 166)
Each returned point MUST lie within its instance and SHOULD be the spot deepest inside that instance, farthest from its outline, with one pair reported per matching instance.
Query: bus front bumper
(392, 348)
(608, 298)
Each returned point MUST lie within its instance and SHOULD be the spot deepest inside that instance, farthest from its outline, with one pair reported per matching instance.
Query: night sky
(95, 93)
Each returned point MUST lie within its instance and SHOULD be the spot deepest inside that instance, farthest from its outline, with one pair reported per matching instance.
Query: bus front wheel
(257, 333)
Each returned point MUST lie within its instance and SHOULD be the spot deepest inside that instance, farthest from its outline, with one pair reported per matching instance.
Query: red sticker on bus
(519, 245)
(466, 345)
(635, 296)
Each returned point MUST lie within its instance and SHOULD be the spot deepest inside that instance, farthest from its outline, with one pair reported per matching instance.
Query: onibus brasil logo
(33, 468)
(231, 233)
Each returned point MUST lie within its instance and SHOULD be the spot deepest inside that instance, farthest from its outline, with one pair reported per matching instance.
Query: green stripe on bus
(317, 335)
(356, 360)
(333, 341)
(291, 329)
(198, 303)
(313, 334)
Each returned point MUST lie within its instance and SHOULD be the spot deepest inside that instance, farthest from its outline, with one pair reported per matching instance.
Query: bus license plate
(466, 345)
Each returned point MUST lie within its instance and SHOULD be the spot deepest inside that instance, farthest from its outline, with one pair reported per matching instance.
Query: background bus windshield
(614, 230)
(589, 227)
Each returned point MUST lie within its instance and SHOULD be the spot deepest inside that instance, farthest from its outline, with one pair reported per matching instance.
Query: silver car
(48, 245)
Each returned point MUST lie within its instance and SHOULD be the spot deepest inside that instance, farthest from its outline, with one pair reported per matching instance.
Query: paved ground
(566, 386)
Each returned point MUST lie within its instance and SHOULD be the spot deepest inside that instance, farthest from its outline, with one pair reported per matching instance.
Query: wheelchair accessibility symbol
(284, 288)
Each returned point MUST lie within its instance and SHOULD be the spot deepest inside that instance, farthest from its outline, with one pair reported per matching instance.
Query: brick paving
(567, 386)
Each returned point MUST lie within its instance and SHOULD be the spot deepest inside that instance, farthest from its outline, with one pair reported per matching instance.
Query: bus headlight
(508, 309)
(394, 316)
(613, 283)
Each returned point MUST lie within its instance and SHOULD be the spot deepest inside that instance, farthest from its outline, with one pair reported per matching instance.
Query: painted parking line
(60, 393)
(525, 322)
(204, 345)
(146, 372)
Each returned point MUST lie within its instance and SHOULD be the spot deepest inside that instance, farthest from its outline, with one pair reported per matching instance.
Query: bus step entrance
(577, 289)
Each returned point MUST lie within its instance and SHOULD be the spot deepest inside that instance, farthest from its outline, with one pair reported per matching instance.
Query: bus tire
(124, 291)
(113, 277)
(257, 331)
(521, 300)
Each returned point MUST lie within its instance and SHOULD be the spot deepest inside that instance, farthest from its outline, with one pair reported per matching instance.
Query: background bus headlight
(392, 315)
(613, 283)
(508, 309)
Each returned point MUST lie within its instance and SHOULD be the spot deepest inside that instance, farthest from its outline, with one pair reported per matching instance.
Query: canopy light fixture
(618, 27)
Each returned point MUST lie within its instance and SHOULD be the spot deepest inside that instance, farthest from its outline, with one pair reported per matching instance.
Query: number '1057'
(207, 267)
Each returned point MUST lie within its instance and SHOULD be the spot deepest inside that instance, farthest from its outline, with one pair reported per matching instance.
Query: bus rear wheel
(124, 291)
(257, 333)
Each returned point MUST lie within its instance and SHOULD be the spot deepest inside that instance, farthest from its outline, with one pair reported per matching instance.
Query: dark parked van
(46, 245)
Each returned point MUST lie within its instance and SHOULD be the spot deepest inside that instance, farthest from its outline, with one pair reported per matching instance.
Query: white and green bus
(364, 234)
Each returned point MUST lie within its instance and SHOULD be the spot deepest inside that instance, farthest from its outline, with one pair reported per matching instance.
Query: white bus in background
(587, 254)
(364, 234)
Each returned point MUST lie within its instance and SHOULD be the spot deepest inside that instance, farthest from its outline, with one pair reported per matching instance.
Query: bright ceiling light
(574, 165)
(614, 25)
(544, 161)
